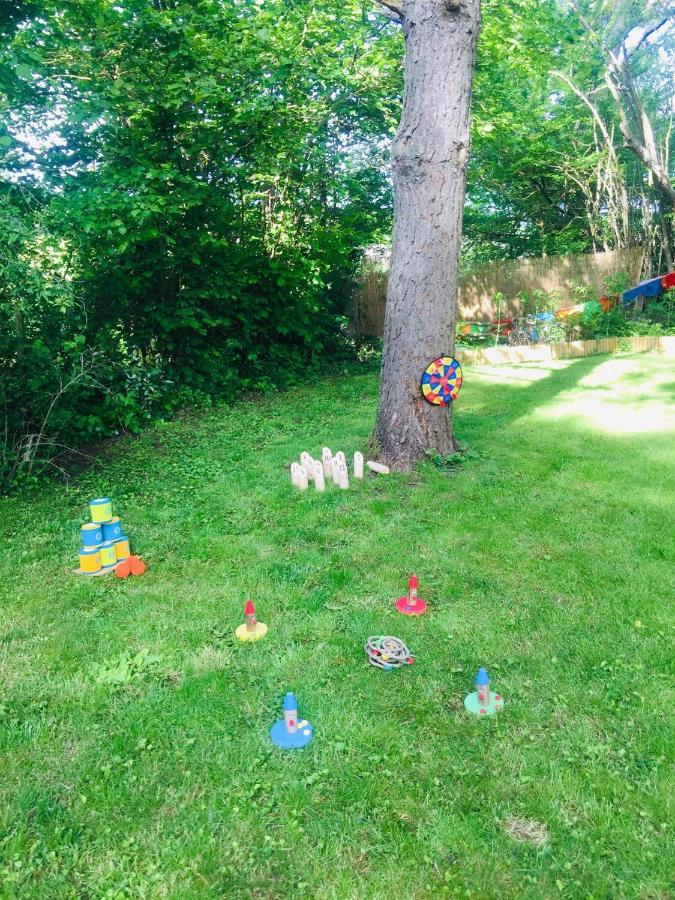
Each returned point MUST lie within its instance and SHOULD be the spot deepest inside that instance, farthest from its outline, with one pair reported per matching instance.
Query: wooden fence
(477, 288)
(490, 356)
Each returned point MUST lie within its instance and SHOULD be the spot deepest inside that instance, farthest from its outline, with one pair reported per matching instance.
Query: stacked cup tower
(103, 542)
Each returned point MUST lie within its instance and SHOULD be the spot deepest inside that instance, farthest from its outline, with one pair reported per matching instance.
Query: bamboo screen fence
(553, 274)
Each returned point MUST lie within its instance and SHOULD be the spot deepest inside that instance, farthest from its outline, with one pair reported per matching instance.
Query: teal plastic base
(474, 706)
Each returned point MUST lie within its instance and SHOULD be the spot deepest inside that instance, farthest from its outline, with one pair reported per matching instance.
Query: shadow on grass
(506, 402)
(521, 390)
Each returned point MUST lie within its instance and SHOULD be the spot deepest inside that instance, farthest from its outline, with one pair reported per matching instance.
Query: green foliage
(554, 331)
(591, 319)
(186, 189)
(206, 176)
(542, 179)
(615, 285)
(48, 373)
(655, 320)
(538, 301)
(450, 462)
(499, 301)
(518, 201)
(658, 317)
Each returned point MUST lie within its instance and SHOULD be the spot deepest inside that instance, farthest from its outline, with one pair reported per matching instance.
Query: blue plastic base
(287, 741)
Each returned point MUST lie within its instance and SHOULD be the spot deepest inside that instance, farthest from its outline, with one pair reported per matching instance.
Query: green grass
(545, 556)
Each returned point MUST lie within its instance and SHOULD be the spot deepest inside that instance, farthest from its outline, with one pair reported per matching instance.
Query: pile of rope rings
(386, 652)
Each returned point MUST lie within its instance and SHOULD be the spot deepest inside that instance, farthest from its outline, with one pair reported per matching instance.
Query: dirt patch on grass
(527, 830)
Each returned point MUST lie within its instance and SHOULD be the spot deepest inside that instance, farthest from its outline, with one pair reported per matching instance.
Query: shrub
(615, 285)
(90, 350)
(656, 319)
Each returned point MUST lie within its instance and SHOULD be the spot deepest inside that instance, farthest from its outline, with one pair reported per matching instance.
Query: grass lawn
(546, 556)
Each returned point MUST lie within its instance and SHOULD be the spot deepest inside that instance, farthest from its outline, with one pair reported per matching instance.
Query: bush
(533, 302)
(90, 350)
(44, 358)
(657, 319)
(190, 226)
(615, 285)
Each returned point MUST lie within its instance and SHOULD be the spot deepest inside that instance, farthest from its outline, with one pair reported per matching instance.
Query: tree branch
(608, 138)
(591, 106)
(649, 31)
(394, 8)
(638, 135)
(584, 21)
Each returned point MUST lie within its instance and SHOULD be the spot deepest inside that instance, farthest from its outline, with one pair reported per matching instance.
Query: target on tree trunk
(442, 380)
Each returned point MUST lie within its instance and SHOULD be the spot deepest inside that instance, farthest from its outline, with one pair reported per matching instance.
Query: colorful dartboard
(442, 380)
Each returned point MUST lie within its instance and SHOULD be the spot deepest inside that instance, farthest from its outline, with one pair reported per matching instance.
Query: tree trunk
(638, 137)
(429, 161)
(666, 240)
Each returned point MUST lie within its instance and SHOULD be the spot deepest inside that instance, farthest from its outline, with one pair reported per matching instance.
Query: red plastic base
(417, 609)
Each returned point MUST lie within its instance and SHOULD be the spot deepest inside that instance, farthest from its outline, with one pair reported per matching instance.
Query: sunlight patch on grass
(209, 659)
(619, 397)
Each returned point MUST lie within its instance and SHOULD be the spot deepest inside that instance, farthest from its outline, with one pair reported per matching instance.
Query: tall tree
(429, 159)
(615, 69)
(620, 36)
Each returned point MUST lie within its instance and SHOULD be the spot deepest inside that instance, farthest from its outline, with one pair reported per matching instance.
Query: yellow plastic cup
(90, 561)
(101, 509)
(122, 549)
(108, 556)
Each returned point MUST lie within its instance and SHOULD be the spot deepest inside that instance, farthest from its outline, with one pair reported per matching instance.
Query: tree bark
(429, 161)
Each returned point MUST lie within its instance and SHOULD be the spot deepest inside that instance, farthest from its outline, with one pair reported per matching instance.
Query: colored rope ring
(441, 381)
(386, 652)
